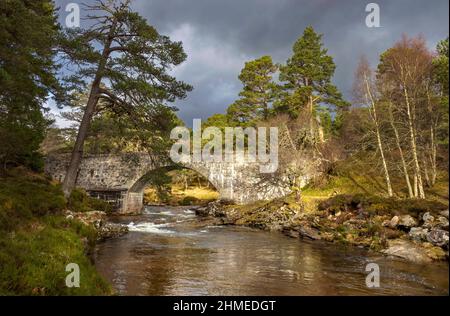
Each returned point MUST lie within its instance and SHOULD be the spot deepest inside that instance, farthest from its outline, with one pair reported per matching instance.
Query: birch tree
(406, 68)
(366, 94)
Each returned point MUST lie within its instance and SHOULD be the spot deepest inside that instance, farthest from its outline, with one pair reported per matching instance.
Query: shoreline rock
(99, 221)
(419, 239)
(407, 250)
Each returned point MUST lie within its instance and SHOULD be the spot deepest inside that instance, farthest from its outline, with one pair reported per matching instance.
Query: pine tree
(307, 79)
(440, 76)
(258, 93)
(27, 75)
(125, 62)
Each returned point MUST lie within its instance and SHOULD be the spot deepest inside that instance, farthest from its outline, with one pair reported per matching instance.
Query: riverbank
(39, 237)
(411, 229)
(171, 251)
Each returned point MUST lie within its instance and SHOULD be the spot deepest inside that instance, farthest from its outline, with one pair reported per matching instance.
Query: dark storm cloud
(219, 36)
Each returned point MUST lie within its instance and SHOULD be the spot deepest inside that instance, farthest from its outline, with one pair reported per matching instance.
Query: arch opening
(172, 185)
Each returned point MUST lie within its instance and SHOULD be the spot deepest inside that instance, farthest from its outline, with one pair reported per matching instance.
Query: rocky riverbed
(171, 251)
(414, 232)
(99, 220)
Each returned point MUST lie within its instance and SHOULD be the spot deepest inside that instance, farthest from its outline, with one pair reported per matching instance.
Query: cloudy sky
(220, 36)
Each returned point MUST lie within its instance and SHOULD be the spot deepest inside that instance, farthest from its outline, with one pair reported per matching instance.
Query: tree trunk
(77, 153)
(412, 135)
(416, 193)
(433, 142)
(400, 150)
(311, 120)
(291, 142)
(380, 144)
(426, 175)
(433, 155)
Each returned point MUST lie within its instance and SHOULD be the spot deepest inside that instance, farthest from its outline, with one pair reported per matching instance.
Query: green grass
(372, 185)
(23, 197)
(33, 259)
(37, 242)
(378, 205)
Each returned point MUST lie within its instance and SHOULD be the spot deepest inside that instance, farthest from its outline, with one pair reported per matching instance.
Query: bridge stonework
(121, 179)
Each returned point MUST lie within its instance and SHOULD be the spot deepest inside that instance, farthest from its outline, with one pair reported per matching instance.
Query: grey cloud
(219, 36)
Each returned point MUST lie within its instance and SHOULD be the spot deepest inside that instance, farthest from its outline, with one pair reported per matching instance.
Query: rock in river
(111, 230)
(407, 250)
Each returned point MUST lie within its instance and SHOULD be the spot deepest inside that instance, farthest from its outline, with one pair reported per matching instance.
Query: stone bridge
(121, 179)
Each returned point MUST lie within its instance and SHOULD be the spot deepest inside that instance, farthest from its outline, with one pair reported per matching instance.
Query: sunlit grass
(196, 192)
(181, 196)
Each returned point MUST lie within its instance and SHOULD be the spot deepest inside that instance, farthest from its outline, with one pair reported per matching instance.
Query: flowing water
(169, 251)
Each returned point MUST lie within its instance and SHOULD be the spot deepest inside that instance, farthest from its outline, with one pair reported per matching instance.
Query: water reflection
(171, 252)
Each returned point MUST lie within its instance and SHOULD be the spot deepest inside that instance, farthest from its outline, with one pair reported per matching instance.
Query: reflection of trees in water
(168, 271)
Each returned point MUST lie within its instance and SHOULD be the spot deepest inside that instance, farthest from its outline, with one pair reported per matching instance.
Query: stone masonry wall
(240, 182)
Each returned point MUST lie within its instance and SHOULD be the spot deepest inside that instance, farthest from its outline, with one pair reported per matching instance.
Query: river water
(170, 251)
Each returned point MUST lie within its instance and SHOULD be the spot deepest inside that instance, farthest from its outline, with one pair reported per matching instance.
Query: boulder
(301, 231)
(438, 237)
(444, 213)
(442, 222)
(428, 220)
(308, 233)
(418, 233)
(98, 220)
(434, 252)
(94, 218)
(407, 250)
(293, 233)
(214, 209)
(111, 230)
(407, 221)
(392, 223)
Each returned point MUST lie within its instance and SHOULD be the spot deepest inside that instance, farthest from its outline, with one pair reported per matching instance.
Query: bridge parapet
(126, 174)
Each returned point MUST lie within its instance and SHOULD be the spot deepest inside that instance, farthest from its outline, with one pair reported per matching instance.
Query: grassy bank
(367, 182)
(37, 241)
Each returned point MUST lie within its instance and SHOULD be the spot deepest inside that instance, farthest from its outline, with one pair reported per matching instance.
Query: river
(170, 251)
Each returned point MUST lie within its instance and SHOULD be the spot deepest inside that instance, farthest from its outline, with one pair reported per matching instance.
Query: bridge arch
(122, 176)
(135, 196)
